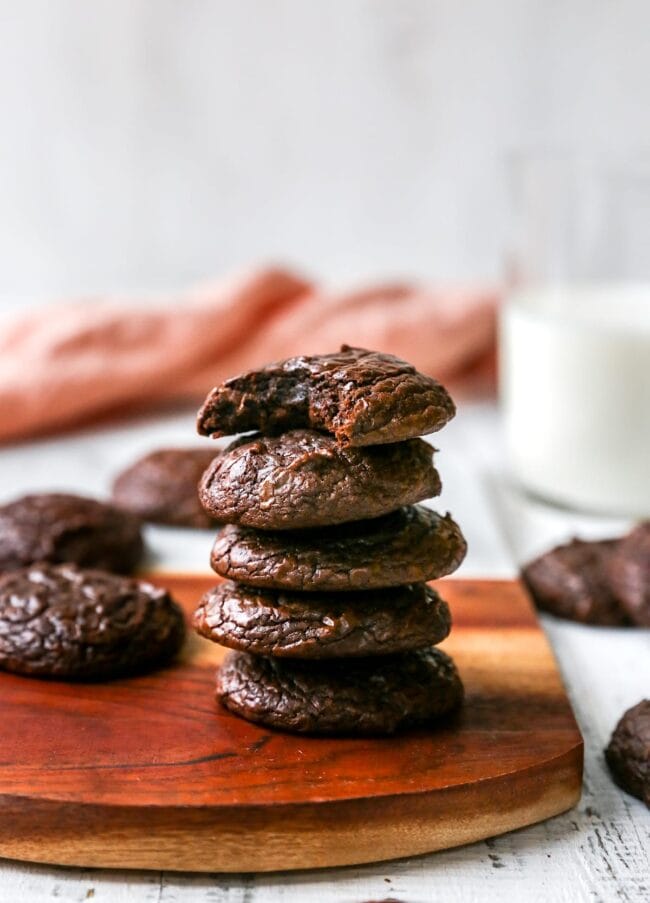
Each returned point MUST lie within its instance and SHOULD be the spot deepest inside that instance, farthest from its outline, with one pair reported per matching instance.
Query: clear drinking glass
(575, 332)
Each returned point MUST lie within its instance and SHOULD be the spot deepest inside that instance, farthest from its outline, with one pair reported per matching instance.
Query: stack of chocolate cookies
(326, 552)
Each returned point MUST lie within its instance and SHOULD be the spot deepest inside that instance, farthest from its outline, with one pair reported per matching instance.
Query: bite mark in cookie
(361, 397)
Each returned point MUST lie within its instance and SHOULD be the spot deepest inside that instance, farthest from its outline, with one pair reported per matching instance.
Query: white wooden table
(597, 852)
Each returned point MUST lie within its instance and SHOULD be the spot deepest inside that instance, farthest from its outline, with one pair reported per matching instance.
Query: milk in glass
(575, 387)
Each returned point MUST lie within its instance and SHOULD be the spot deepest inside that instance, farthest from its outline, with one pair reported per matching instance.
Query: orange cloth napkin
(76, 361)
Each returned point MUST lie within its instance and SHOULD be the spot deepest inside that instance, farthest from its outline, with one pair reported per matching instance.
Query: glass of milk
(575, 333)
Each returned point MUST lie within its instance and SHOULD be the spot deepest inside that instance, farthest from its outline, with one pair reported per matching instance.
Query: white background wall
(147, 143)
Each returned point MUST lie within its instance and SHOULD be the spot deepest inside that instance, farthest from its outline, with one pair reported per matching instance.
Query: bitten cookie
(305, 479)
(163, 487)
(411, 545)
(628, 753)
(571, 581)
(56, 527)
(64, 622)
(350, 696)
(322, 625)
(362, 397)
(628, 574)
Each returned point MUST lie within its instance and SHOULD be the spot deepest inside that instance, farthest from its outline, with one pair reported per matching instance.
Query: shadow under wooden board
(150, 773)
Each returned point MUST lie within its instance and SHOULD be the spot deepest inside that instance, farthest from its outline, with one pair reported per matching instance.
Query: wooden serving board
(149, 773)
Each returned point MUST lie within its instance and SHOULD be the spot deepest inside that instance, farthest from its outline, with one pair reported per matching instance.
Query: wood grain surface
(150, 773)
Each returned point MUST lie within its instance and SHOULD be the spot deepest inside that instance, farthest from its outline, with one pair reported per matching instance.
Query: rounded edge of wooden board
(293, 837)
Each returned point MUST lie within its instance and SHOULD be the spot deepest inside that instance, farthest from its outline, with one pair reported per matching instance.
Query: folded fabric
(74, 362)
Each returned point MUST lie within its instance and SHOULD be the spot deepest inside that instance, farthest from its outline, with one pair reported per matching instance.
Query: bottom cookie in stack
(377, 695)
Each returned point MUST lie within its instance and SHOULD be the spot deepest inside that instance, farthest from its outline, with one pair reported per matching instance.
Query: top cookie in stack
(326, 549)
(361, 397)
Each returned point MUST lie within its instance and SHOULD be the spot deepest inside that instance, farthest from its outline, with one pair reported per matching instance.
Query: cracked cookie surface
(163, 487)
(411, 545)
(571, 582)
(64, 622)
(58, 527)
(361, 397)
(305, 479)
(350, 696)
(628, 752)
(323, 625)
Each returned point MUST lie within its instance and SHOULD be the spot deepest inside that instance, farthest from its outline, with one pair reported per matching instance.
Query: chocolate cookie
(571, 581)
(56, 527)
(628, 574)
(349, 696)
(323, 625)
(61, 621)
(628, 753)
(162, 487)
(410, 545)
(305, 479)
(362, 397)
